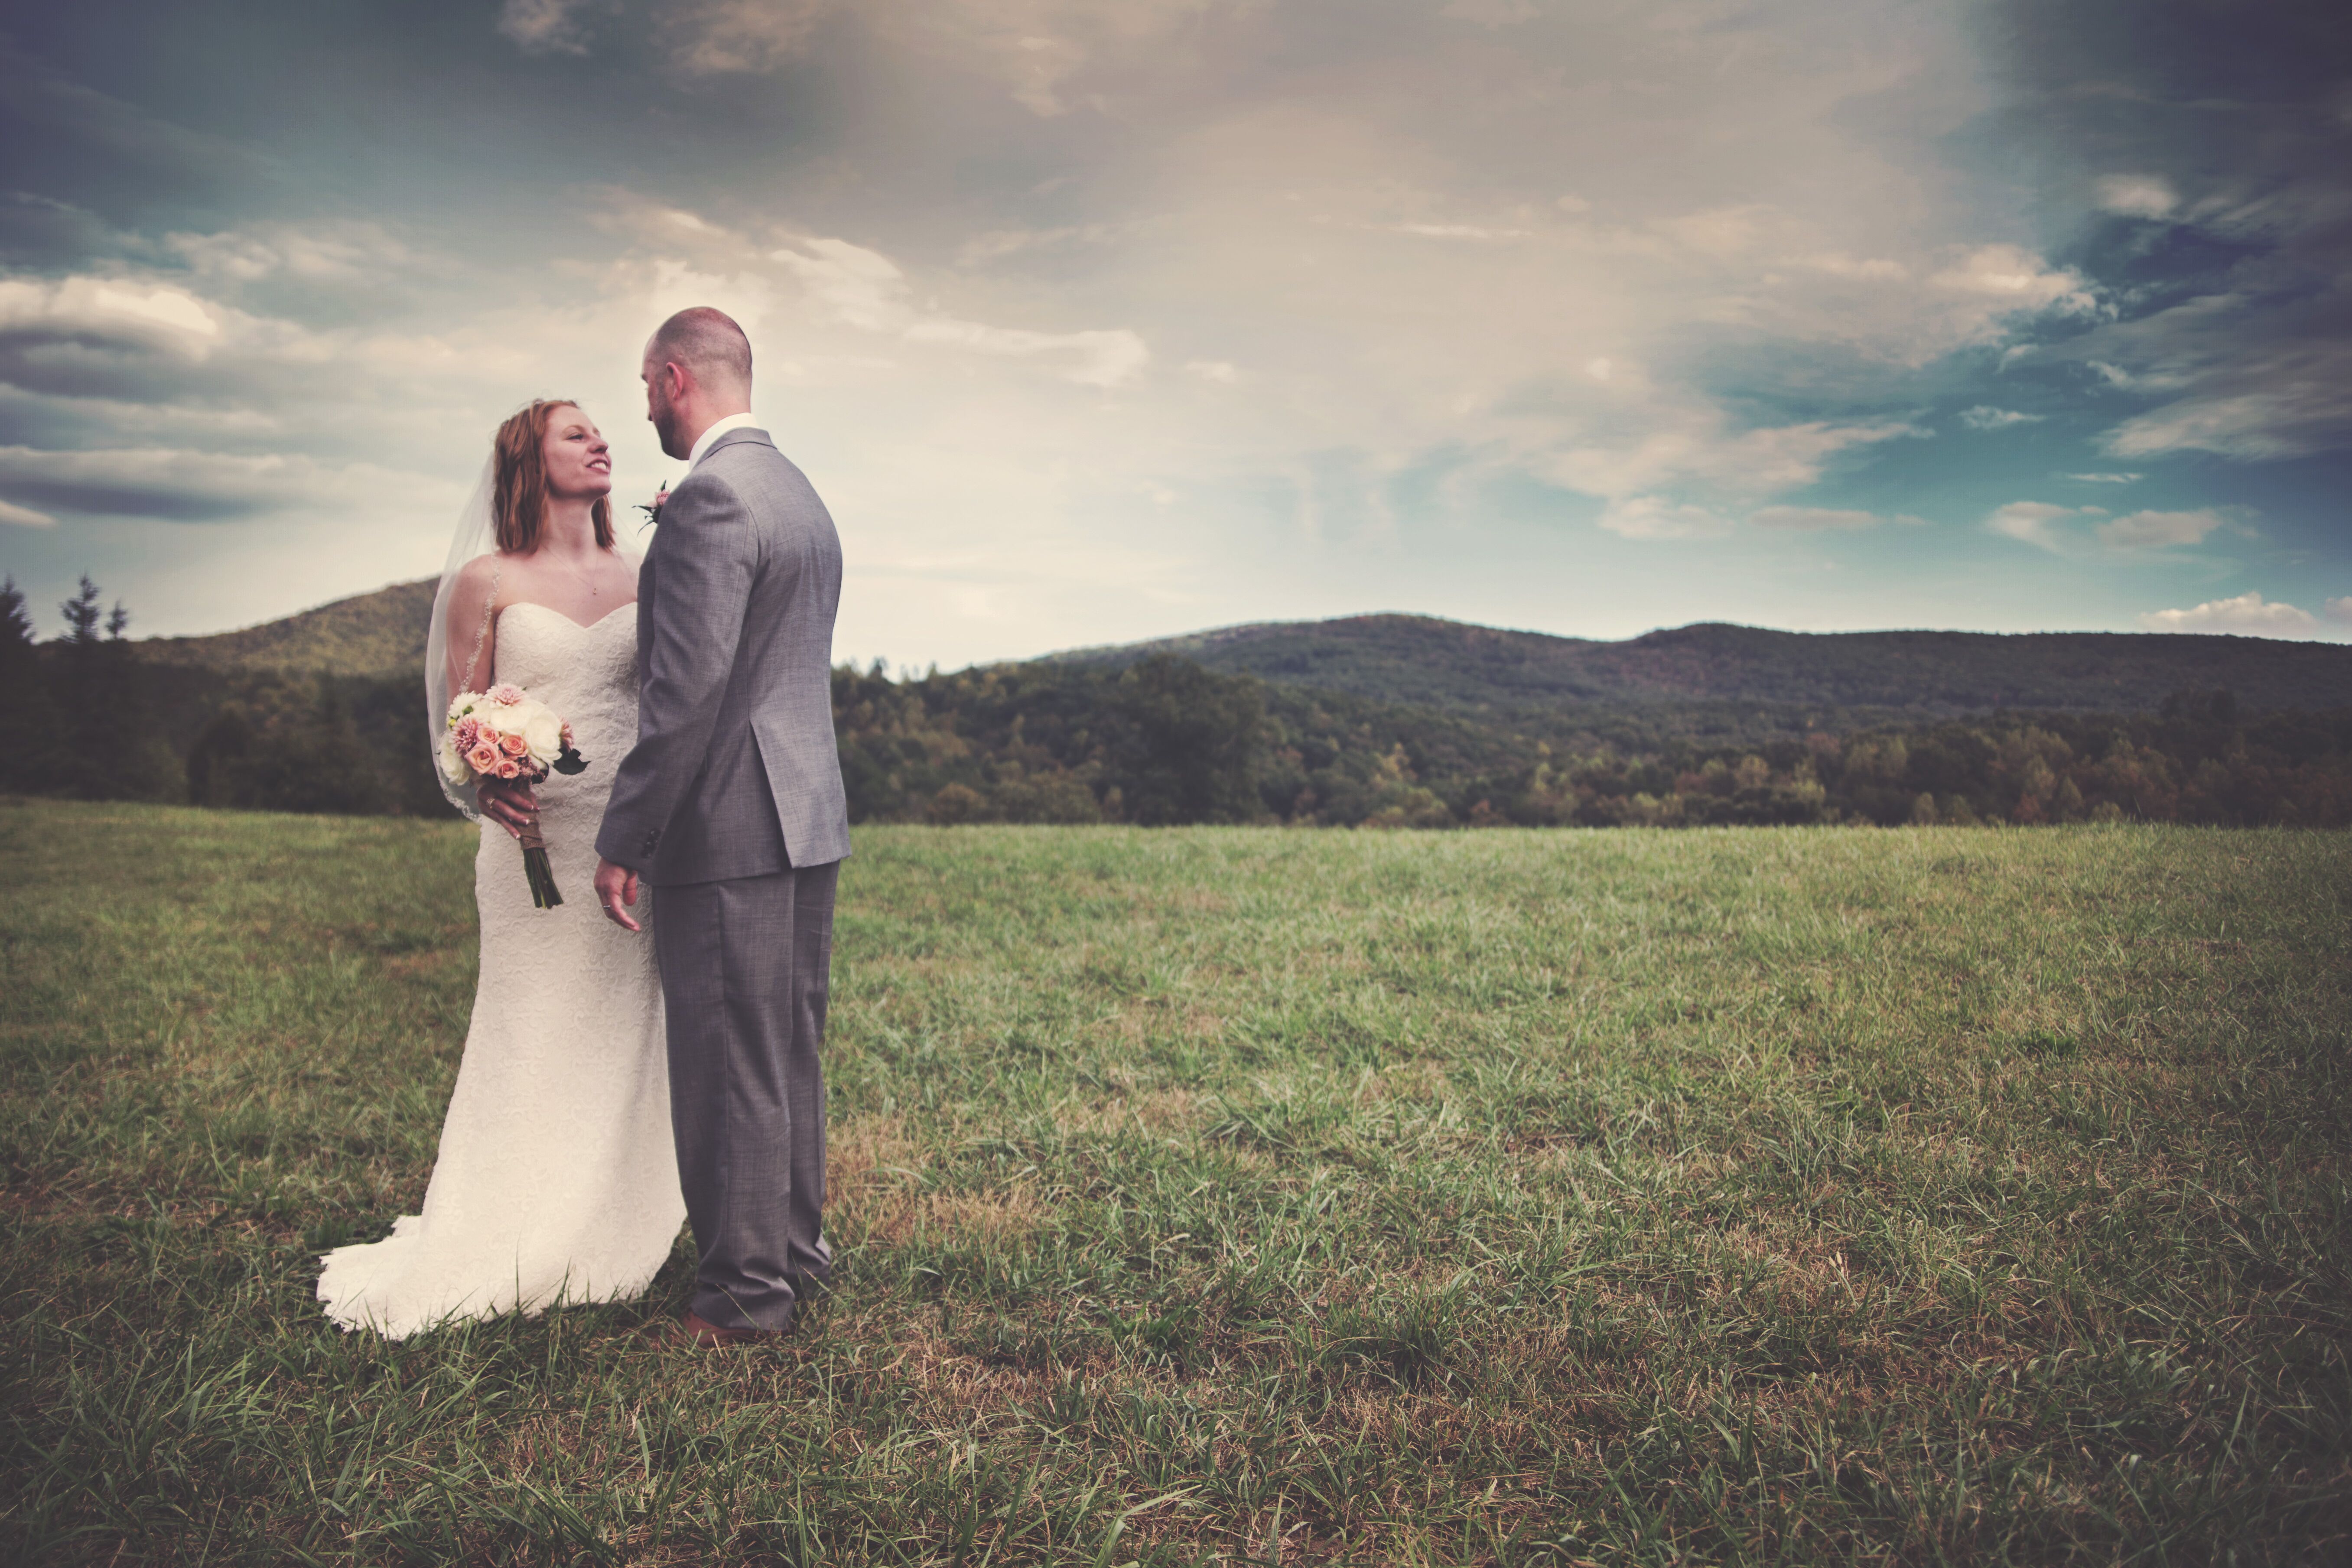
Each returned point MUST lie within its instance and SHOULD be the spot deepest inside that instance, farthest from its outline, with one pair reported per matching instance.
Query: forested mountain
(1705, 676)
(1375, 721)
(368, 634)
(1915, 674)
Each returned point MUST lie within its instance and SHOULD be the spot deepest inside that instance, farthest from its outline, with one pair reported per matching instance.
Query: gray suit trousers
(745, 965)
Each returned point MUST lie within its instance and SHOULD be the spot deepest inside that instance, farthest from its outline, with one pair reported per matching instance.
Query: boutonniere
(652, 512)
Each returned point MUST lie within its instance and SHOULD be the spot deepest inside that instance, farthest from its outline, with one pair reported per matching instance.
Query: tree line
(83, 716)
(1164, 741)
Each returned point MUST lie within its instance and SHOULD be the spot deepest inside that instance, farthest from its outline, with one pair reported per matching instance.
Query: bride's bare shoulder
(474, 577)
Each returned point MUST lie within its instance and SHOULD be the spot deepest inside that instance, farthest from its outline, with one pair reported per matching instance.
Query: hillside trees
(1161, 742)
(76, 714)
(29, 720)
(1192, 743)
(83, 715)
(1166, 740)
(297, 745)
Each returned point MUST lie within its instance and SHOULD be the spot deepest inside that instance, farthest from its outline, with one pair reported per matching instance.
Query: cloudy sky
(1096, 319)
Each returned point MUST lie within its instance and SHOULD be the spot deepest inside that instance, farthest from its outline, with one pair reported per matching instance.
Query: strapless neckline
(567, 620)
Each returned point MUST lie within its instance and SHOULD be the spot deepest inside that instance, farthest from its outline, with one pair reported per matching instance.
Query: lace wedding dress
(557, 1181)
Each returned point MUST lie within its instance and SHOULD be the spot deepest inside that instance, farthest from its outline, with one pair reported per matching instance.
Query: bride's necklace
(585, 581)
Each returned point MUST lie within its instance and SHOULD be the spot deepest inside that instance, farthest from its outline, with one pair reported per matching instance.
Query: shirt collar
(719, 428)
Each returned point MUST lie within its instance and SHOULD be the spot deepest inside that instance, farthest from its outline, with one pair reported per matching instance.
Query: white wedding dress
(557, 1181)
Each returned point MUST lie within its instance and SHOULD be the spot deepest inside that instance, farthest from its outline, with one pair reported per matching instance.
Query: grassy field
(1247, 1196)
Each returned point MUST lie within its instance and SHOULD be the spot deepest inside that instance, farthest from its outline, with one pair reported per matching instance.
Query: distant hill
(1380, 721)
(1526, 677)
(368, 634)
(1468, 669)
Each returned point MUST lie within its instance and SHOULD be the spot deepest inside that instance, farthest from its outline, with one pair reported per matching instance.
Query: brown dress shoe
(691, 1330)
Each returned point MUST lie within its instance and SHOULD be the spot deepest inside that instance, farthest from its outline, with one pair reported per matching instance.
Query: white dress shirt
(719, 428)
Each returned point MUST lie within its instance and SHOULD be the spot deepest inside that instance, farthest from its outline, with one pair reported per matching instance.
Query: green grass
(1243, 1195)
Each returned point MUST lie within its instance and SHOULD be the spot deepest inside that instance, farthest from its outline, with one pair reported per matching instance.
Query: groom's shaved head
(711, 347)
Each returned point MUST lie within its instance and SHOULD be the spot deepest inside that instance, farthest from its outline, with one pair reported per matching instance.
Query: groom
(732, 805)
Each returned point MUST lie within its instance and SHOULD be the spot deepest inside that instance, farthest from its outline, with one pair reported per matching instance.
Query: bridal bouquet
(507, 734)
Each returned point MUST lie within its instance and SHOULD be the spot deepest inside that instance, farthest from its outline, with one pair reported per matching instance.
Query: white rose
(543, 731)
(499, 718)
(452, 766)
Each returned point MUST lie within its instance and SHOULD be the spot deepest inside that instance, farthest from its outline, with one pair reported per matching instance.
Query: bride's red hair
(519, 500)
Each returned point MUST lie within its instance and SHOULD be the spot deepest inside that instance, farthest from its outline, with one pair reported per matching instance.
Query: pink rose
(509, 768)
(513, 745)
(483, 758)
(505, 694)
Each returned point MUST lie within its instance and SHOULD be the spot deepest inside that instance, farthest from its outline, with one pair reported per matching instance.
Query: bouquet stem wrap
(543, 894)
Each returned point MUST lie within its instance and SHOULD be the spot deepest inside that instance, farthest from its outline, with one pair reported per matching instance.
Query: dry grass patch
(1156, 1113)
(876, 1179)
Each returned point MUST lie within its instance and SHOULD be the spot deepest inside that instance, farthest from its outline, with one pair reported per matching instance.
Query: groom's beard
(665, 418)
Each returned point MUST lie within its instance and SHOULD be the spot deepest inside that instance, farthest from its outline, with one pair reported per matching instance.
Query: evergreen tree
(27, 717)
(81, 614)
(111, 748)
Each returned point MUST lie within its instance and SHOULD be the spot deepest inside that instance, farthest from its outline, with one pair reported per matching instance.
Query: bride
(557, 1180)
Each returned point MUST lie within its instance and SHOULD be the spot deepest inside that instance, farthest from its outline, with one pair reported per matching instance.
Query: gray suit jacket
(735, 772)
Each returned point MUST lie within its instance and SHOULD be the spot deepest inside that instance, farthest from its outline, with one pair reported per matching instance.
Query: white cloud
(1093, 357)
(1818, 520)
(1492, 13)
(159, 313)
(544, 27)
(1690, 452)
(2030, 523)
(1872, 269)
(2102, 479)
(2341, 610)
(2018, 280)
(1655, 517)
(1056, 54)
(860, 286)
(2246, 615)
(2040, 523)
(2297, 415)
(333, 252)
(1723, 232)
(1459, 231)
(999, 243)
(24, 516)
(2247, 377)
(720, 37)
(2159, 530)
(1984, 417)
(2134, 196)
(866, 290)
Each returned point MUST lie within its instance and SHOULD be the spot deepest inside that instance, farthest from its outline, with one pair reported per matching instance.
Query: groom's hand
(508, 803)
(615, 886)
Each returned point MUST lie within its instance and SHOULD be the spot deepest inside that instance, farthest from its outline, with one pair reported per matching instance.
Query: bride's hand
(509, 804)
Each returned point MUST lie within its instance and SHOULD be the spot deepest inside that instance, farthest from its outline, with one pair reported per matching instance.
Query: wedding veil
(476, 535)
